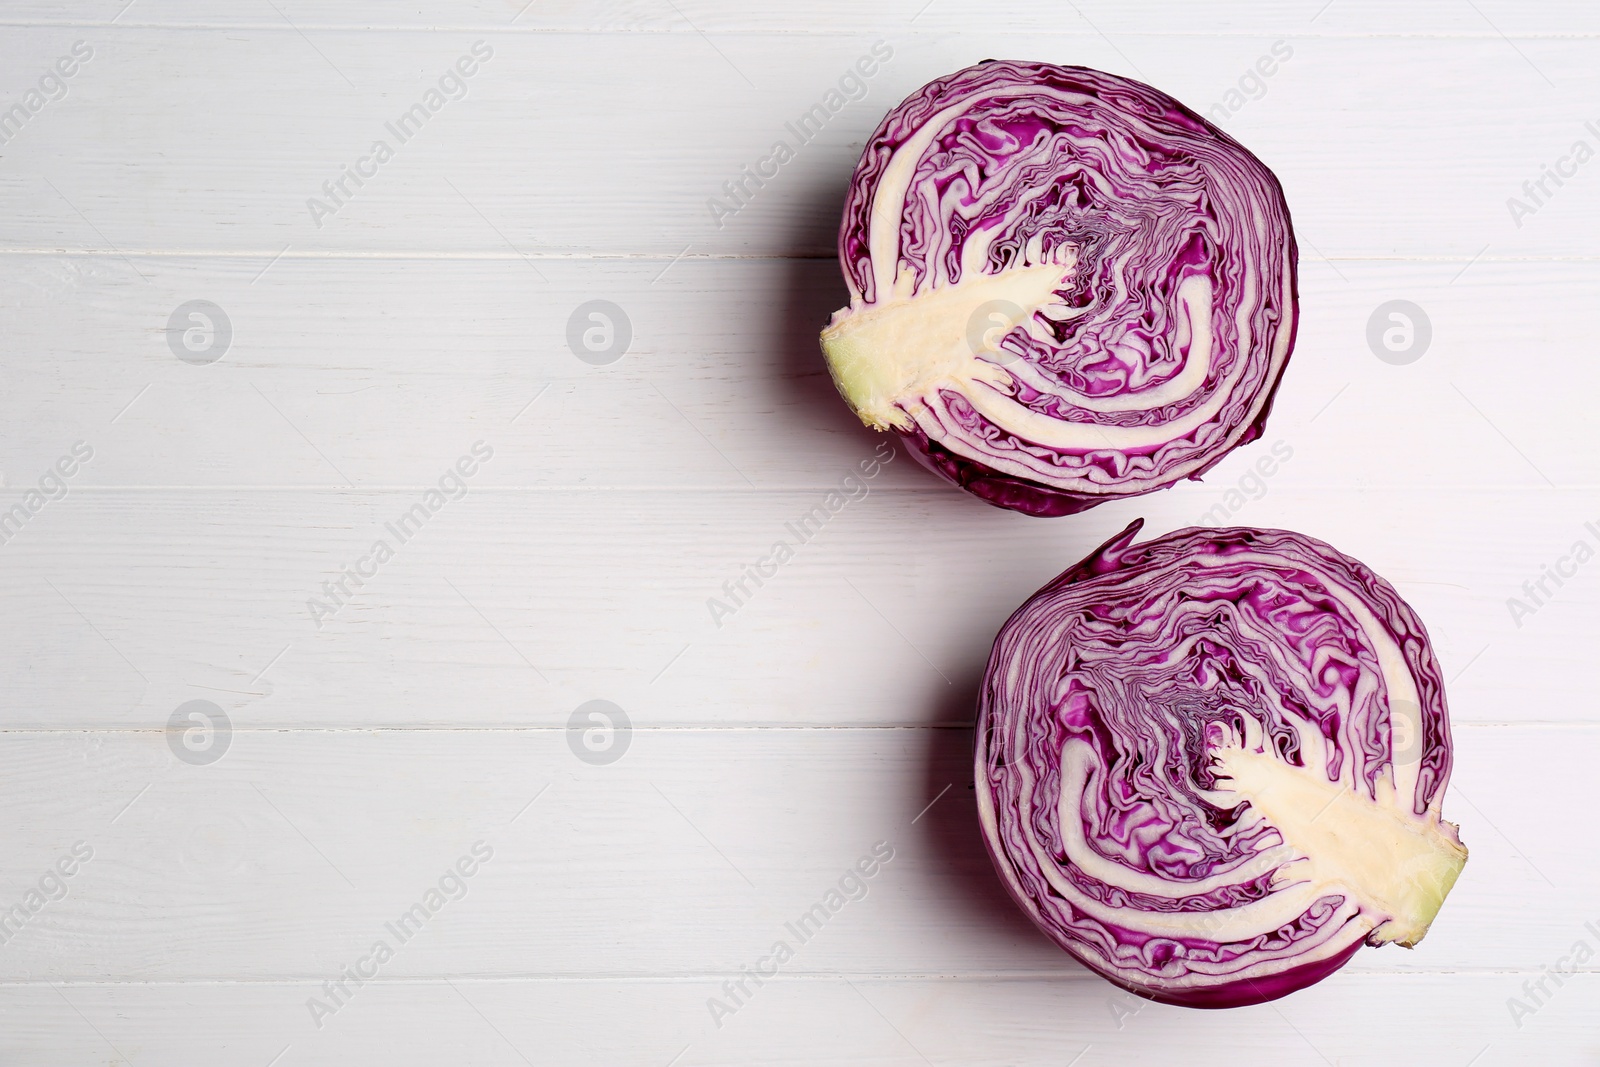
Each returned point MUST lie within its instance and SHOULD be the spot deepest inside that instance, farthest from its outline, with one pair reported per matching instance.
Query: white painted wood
(234, 131)
(349, 372)
(686, 856)
(1227, 17)
(514, 607)
(825, 715)
(828, 1021)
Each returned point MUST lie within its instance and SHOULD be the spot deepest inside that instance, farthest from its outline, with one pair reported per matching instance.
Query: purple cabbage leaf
(1065, 286)
(1211, 765)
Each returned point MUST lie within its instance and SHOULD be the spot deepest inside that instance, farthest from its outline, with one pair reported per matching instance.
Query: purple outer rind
(1232, 995)
(1119, 555)
(994, 487)
(991, 486)
(1043, 501)
(1238, 994)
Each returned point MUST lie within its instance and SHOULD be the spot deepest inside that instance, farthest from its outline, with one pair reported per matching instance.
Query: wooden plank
(286, 858)
(514, 607)
(366, 757)
(219, 139)
(826, 1022)
(1231, 17)
(379, 373)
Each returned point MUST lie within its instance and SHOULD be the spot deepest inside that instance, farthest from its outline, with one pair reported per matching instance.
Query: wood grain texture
(286, 858)
(366, 756)
(547, 153)
(826, 1021)
(353, 372)
(1483, 18)
(802, 1023)
(513, 608)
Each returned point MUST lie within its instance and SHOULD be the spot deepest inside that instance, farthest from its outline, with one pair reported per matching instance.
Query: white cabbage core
(1397, 866)
(890, 359)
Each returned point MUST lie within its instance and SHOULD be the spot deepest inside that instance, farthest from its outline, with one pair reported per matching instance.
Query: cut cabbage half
(1065, 287)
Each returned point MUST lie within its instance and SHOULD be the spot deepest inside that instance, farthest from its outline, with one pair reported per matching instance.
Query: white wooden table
(374, 742)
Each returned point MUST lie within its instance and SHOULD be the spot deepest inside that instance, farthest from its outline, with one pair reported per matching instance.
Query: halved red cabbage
(1065, 286)
(1210, 766)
